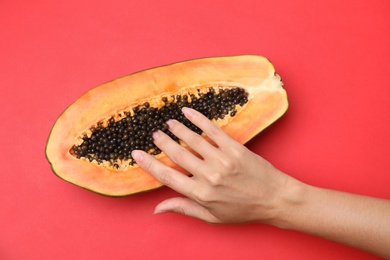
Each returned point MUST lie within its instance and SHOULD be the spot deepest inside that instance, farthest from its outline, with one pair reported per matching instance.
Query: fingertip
(162, 207)
(188, 112)
(156, 134)
(137, 155)
(171, 123)
(170, 205)
(158, 211)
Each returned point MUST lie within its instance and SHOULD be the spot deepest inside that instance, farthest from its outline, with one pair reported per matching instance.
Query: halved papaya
(90, 144)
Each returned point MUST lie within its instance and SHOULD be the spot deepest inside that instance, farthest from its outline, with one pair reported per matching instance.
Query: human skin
(231, 184)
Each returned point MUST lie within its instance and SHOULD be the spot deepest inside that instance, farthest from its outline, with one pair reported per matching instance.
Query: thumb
(186, 207)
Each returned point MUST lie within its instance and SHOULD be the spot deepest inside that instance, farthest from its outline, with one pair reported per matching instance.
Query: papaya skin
(256, 74)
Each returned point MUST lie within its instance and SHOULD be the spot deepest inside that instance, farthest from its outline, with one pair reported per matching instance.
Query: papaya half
(90, 144)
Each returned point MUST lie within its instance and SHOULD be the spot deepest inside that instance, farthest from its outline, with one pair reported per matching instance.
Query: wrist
(290, 198)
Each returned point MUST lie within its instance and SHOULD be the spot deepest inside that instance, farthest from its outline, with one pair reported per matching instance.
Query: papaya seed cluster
(113, 144)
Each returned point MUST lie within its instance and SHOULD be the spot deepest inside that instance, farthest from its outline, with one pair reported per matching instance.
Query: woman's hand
(230, 184)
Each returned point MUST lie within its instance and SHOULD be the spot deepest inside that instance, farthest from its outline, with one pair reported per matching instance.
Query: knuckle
(161, 141)
(166, 177)
(203, 197)
(238, 151)
(148, 164)
(192, 191)
(194, 139)
(215, 179)
(213, 131)
(179, 155)
(229, 165)
(198, 118)
(180, 210)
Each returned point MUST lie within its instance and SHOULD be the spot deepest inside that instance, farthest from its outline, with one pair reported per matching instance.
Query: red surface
(333, 57)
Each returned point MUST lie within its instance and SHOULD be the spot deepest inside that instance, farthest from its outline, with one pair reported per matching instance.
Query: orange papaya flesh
(91, 142)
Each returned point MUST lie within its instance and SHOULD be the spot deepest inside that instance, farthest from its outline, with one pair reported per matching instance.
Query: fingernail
(137, 155)
(188, 112)
(171, 123)
(155, 134)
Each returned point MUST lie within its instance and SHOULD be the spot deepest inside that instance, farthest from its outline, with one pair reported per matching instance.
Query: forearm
(359, 221)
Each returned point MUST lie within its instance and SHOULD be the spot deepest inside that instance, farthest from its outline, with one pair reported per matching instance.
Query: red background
(332, 55)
